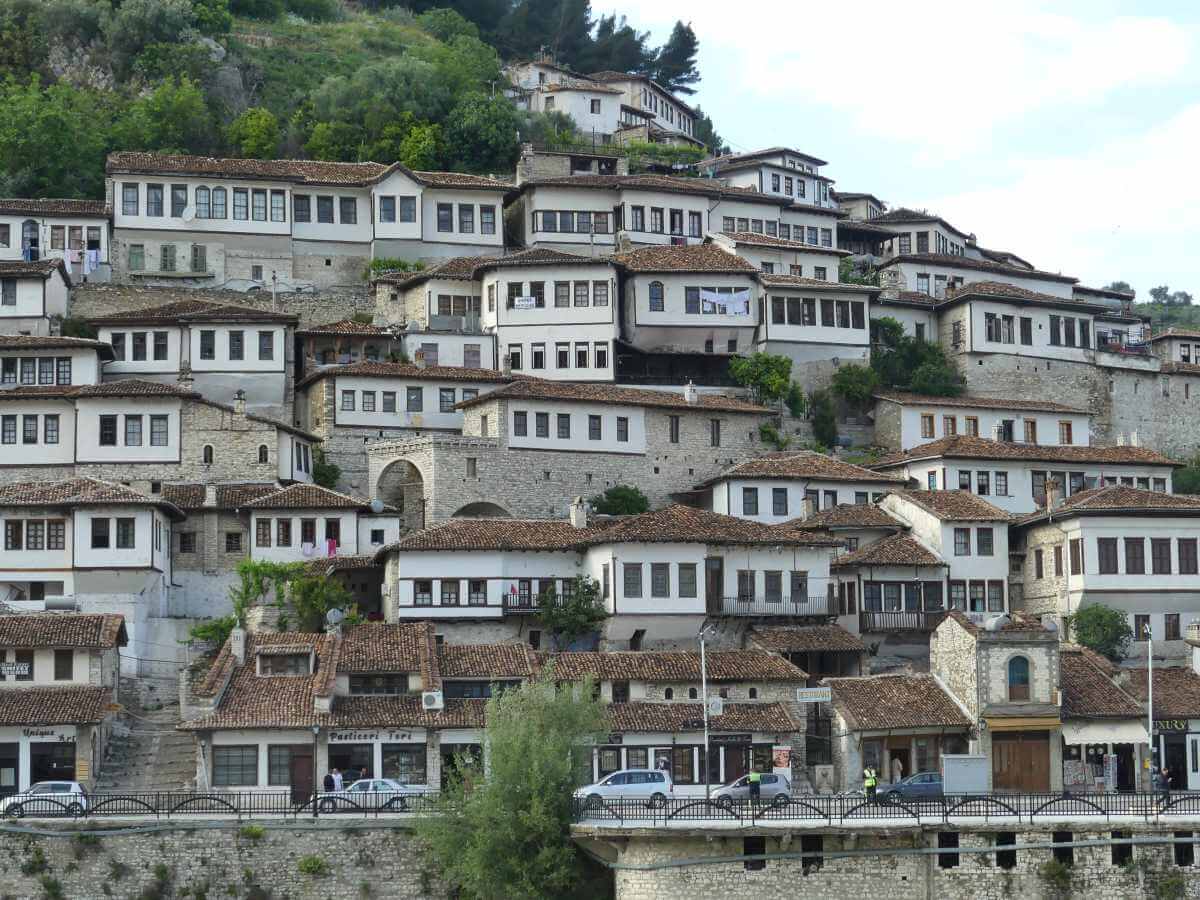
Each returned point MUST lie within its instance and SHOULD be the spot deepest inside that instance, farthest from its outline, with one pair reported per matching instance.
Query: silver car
(651, 785)
(370, 793)
(47, 798)
(772, 788)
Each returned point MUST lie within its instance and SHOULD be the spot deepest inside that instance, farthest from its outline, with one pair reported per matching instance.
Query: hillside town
(426, 392)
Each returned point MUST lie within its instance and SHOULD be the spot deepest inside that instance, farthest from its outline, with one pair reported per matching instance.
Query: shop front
(458, 746)
(1103, 755)
(29, 754)
(731, 756)
(399, 754)
(896, 756)
(1179, 750)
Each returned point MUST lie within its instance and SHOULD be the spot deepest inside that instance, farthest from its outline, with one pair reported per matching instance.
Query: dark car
(921, 786)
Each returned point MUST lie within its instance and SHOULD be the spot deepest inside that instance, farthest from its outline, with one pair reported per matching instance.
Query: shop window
(404, 762)
(235, 766)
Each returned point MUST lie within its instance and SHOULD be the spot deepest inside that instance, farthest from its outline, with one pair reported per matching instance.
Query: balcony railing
(520, 604)
(764, 606)
(917, 620)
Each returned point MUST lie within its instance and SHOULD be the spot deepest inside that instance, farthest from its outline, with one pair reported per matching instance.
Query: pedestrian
(329, 784)
(337, 779)
(755, 786)
(1164, 777)
(897, 770)
(870, 780)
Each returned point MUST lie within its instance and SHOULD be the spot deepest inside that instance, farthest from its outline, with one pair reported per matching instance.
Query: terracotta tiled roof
(728, 158)
(461, 180)
(80, 492)
(677, 717)
(883, 702)
(185, 496)
(80, 705)
(893, 550)
(1124, 500)
(456, 268)
(41, 268)
(955, 506)
(964, 447)
(672, 666)
(908, 298)
(1088, 691)
(305, 496)
(669, 184)
(1006, 623)
(405, 370)
(193, 311)
(539, 389)
(53, 207)
(1180, 368)
(491, 534)
(685, 524)
(903, 215)
(1007, 291)
(126, 387)
(100, 631)
(486, 661)
(229, 496)
(779, 280)
(375, 648)
(324, 566)
(803, 464)
(954, 261)
(536, 256)
(34, 342)
(754, 239)
(806, 639)
(692, 258)
(269, 701)
(844, 515)
(346, 327)
(1176, 691)
(405, 712)
(1175, 332)
(905, 398)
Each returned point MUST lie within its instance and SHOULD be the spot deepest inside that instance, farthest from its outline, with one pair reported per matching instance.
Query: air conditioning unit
(432, 700)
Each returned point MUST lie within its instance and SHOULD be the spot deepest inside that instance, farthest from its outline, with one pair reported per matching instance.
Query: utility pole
(1150, 695)
(704, 701)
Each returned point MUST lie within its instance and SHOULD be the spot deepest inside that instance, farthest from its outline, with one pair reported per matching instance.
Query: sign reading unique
(62, 735)
(814, 695)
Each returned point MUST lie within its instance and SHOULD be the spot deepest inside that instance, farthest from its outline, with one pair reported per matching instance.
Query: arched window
(208, 454)
(263, 453)
(691, 693)
(1018, 678)
(669, 694)
(202, 205)
(218, 204)
(656, 296)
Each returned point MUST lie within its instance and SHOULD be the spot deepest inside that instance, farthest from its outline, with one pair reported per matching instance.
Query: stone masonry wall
(952, 659)
(976, 876)
(219, 859)
(1042, 595)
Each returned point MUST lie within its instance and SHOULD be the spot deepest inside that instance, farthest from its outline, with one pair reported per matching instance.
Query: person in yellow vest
(755, 786)
(870, 782)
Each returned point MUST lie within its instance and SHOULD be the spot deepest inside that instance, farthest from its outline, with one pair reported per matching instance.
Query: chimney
(239, 402)
(578, 513)
(210, 495)
(689, 393)
(808, 508)
(237, 644)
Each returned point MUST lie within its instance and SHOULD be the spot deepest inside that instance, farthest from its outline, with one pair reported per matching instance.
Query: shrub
(313, 865)
(620, 500)
(36, 863)
(325, 473)
(765, 374)
(824, 422)
(768, 433)
(1102, 629)
(252, 832)
(52, 888)
(795, 400)
(855, 384)
(580, 611)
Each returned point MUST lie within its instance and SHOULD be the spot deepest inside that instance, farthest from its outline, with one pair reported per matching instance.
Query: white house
(905, 420)
(1016, 476)
(75, 231)
(57, 687)
(196, 221)
(46, 360)
(224, 349)
(774, 255)
(793, 486)
(779, 171)
(32, 294)
(543, 86)
(650, 112)
(303, 521)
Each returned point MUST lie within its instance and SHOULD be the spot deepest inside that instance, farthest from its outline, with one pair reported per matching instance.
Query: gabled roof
(670, 184)
(676, 717)
(754, 239)
(76, 705)
(609, 75)
(687, 525)
(1011, 623)
(884, 702)
(893, 550)
(487, 661)
(490, 534)
(802, 464)
(1119, 499)
(229, 496)
(1010, 293)
(80, 492)
(966, 447)
(806, 639)
(691, 258)
(95, 631)
(672, 666)
(845, 515)
(456, 268)
(378, 648)
(954, 261)
(907, 398)
(1176, 691)
(902, 215)
(405, 370)
(1088, 690)
(306, 496)
(193, 311)
(781, 280)
(955, 506)
(41, 268)
(348, 327)
(53, 207)
(537, 256)
(583, 392)
(35, 342)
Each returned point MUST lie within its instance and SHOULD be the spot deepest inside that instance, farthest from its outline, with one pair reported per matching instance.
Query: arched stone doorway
(402, 485)
(482, 510)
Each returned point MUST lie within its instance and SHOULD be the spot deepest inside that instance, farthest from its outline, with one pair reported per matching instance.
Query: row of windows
(819, 273)
(940, 284)
(414, 399)
(49, 429)
(586, 356)
(572, 222)
(772, 585)
(810, 234)
(35, 534)
(984, 483)
(660, 579)
(282, 530)
(694, 304)
(916, 596)
(1108, 558)
(1066, 429)
(666, 221)
(138, 344)
(466, 218)
(39, 370)
(168, 258)
(532, 294)
(208, 203)
(943, 244)
(133, 431)
(788, 185)
(803, 311)
(64, 664)
(984, 542)
(472, 354)
(779, 500)
(562, 421)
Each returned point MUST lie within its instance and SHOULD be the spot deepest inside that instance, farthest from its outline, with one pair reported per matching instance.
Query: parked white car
(651, 785)
(772, 788)
(370, 793)
(47, 798)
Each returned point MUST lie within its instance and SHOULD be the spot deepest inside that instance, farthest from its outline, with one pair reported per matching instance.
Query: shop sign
(14, 668)
(372, 737)
(48, 734)
(781, 757)
(524, 302)
(1170, 724)
(729, 739)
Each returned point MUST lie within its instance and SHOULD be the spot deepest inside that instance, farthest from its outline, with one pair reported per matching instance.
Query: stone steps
(145, 752)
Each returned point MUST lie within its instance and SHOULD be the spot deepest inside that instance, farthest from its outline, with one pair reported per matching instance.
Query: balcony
(917, 620)
(522, 605)
(763, 606)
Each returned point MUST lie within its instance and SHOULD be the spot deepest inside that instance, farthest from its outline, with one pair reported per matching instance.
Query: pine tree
(675, 65)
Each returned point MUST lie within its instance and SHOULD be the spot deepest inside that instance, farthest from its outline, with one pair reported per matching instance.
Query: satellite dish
(189, 213)
(334, 617)
(377, 506)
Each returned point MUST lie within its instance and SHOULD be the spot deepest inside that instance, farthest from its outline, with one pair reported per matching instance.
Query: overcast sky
(1067, 133)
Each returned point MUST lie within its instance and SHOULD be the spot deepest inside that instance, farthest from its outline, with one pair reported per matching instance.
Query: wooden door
(714, 583)
(1021, 761)
(737, 762)
(302, 774)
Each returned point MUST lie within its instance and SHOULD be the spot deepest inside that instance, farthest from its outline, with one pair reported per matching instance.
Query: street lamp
(1150, 695)
(316, 730)
(704, 707)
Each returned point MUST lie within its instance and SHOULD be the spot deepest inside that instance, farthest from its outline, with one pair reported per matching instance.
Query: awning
(1100, 731)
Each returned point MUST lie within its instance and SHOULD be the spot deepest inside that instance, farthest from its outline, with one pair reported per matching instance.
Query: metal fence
(850, 808)
(228, 804)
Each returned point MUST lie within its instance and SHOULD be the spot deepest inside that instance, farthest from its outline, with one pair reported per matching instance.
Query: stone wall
(952, 660)
(895, 871)
(1044, 595)
(218, 859)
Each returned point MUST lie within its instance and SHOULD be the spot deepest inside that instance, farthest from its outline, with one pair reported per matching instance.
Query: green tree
(505, 835)
(705, 130)
(423, 148)
(855, 384)
(325, 473)
(482, 133)
(315, 10)
(312, 596)
(616, 46)
(1187, 479)
(766, 375)
(904, 362)
(824, 422)
(1119, 286)
(135, 24)
(254, 134)
(212, 16)
(936, 379)
(579, 612)
(1102, 629)
(173, 118)
(620, 500)
(447, 24)
(336, 141)
(268, 10)
(674, 66)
